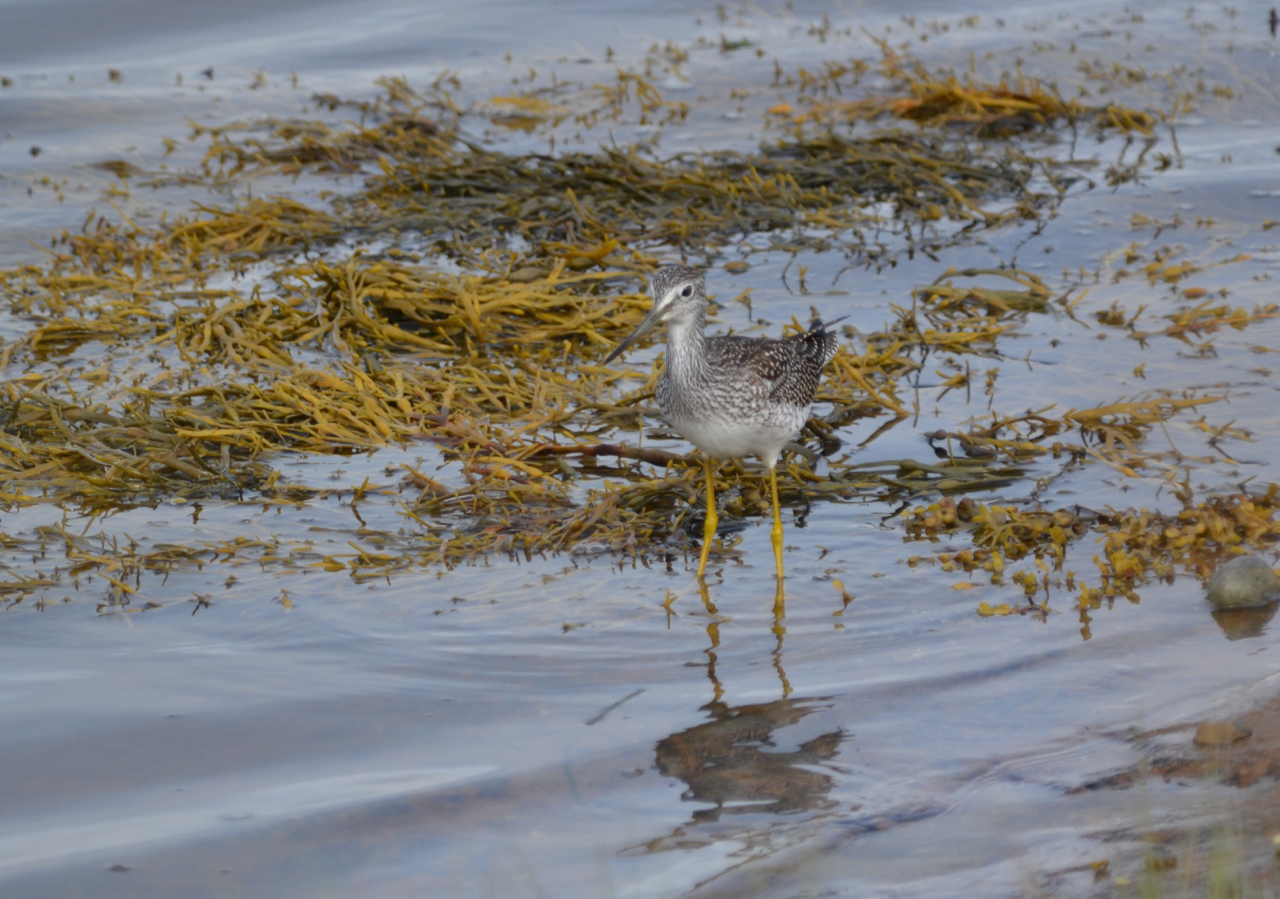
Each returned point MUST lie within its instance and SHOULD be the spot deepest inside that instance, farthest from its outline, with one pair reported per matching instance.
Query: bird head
(679, 295)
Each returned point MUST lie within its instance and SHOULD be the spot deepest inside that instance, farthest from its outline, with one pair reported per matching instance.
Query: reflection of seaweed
(725, 760)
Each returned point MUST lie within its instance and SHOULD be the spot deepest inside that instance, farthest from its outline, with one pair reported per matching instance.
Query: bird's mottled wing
(744, 354)
(784, 370)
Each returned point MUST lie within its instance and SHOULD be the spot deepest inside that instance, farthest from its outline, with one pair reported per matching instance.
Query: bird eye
(688, 291)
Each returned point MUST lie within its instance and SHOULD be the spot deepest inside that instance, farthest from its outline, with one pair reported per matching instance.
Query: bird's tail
(819, 325)
(820, 334)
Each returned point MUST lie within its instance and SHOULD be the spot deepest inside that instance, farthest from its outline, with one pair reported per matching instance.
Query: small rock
(737, 266)
(1244, 581)
(1220, 733)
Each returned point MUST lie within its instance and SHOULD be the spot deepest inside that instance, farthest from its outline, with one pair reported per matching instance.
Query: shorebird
(731, 396)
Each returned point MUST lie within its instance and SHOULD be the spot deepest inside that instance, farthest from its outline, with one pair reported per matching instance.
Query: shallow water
(546, 726)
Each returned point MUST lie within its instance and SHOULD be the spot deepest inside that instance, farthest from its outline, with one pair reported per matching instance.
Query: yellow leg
(776, 534)
(709, 529)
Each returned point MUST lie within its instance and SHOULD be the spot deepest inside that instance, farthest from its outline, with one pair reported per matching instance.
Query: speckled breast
(727, 421)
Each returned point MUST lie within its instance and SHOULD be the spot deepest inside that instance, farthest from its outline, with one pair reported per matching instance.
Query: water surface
(546, 726)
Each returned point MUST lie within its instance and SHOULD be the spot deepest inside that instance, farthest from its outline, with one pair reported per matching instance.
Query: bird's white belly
(726, 438)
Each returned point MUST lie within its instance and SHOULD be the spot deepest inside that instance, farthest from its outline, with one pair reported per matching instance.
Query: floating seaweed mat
(254, 227)
(353, 306)
(1206, 318)
(334, 351)
(292, 146)
(1126, 423)
(822, 184)
(461, 311)
(815, 188)
(1008, 531)
(989, 109)
(945, 296)
(456, 396)
(1137, 545)
(908, 476)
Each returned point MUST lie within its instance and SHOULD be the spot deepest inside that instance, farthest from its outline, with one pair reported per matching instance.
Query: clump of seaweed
(590, 208)
(1138, 546)
(1014, 105)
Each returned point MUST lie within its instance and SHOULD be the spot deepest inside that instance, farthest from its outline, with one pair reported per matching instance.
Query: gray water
(545, 727)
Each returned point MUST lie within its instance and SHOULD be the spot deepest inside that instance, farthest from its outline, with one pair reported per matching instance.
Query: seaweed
(461, 297)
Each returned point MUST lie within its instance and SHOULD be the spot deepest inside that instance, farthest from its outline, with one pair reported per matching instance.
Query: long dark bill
(645, 324)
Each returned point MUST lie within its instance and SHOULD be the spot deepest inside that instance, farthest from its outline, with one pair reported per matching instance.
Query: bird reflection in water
(731, 762)
(713, 636)
(728, 760)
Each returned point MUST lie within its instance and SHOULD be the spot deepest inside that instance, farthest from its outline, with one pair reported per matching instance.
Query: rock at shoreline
(1244, 581)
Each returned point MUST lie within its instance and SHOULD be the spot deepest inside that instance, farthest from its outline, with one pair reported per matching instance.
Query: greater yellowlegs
(731, 396)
